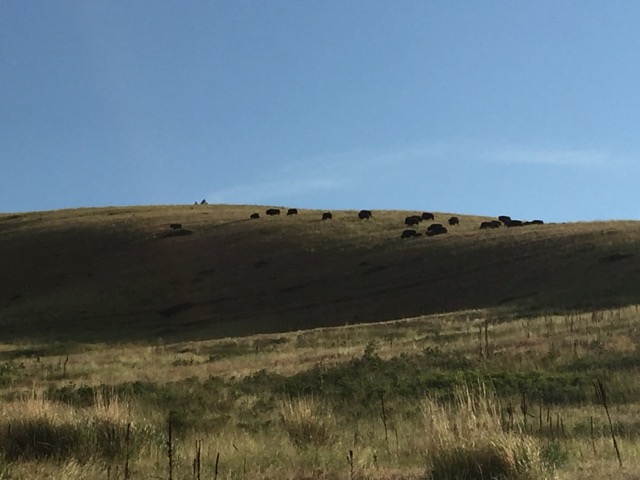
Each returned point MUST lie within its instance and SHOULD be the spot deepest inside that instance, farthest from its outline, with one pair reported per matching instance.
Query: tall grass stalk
(466, 439)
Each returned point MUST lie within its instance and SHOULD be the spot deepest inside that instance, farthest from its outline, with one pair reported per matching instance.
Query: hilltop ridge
(119, 273)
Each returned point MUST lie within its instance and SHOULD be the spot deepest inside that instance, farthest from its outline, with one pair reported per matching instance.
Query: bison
(436, 229)
(412, 220)
(409, 233)
(292, 211)
(273, 211)
(327, 216)
(365, 214)
(454, 221)
(255, 215)
(428, 216)
(515, 223)
(491, 224)
(504, 219)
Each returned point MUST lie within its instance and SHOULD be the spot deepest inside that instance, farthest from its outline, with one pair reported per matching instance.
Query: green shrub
(40, 437)
(307, 423)
(554, 455)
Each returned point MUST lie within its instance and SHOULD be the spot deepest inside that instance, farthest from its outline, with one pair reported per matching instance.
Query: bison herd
(438, 228)
(415, 220)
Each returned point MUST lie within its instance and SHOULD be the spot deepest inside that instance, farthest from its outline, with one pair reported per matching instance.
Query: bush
(503, 458)
(37, 429)
(466, 441)
(307, 423)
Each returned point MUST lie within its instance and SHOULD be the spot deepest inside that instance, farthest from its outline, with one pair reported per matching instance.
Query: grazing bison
(536, 222)
(327, 216)
(413, 220)
(504, 219)
(409, 233)
(485, 225)
(515, 223)
(436, 229)
(491, 224)
(365, 214)
(292, 211)
(428, 216)
(175, 226)
(273, 211)
(454, 221)
(255, 215)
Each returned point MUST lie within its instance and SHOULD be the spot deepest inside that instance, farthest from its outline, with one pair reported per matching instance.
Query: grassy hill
(122, 273)
(112, 330)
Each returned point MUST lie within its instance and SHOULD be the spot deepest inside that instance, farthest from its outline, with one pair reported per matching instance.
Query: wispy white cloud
(350, 170)
(514, 154)
(459, 151)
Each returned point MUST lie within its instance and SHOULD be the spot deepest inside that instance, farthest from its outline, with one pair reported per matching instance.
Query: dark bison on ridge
(436, 229)
(504, 219)
(413, 220)
(273, 211)
(327, 216)
(515, 223)
(428, 216)
(365, 214)
(491, 224)
(292, 211)
(254, 215)
(409, 233)
(454, 221)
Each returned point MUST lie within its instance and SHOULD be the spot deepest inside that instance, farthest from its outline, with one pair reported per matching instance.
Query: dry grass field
(292, 348)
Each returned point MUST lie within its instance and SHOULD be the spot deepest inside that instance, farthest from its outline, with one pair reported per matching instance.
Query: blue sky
(525, 108)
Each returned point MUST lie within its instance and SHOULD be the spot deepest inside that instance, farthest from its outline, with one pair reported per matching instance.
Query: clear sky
(525, 108)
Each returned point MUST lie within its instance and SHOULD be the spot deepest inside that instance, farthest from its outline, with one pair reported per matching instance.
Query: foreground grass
(416, 398)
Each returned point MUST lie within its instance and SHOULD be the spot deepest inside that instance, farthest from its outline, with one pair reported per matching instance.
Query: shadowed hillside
(122, 273)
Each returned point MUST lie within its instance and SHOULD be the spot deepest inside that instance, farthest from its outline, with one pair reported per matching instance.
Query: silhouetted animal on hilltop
(255, 215)
(491, 224)
(428, 216)
(413, 220)
(273, 211)
(365, 214)
(292, 211)
(409, 233)
(436, 229)
(327, 216)
(454, 221)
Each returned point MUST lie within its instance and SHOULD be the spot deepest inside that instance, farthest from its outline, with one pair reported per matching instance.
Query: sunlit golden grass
(37, 429)
(466, 439)
(524, 342)
(305, 437)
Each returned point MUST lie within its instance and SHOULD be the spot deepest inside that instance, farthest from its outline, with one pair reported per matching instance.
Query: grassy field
(291, 348)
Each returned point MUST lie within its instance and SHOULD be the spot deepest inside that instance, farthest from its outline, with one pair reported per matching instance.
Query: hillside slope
(109, 274)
